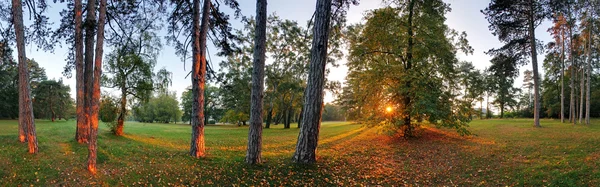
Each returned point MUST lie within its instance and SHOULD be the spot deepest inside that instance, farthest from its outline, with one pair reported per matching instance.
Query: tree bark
(197, 148)
(90, 23)
(80, 127)
(288, 113)
(562, 79)
(481, 109)
(269, 116)
(536, 76)
(253, 153)
(581, 92)
(26, 121)
(308, 137)
(589, 72)
(123, 111)
(300, 117)
(408, 132)
(95, 104)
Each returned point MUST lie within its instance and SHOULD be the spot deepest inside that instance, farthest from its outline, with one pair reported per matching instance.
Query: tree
(411, 69)
(163, 108)
(309, 133)
(333, 112)
(253, 153)
(95, 99)
(132, 75)
(199, 26)
(507, 19)
(559, 31)
(130, 66)
(503, 70)
(51, 99)
(9, 84)
(186, 105)
(78, 50)
(26, 122)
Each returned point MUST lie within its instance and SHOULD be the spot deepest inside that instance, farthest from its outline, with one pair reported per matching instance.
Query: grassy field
(503, 152)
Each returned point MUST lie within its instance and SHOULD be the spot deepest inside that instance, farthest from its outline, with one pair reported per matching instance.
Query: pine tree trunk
(80, 128)
(581, 93)
(253, 153)
(306, 148)
(536, 75)
(589, 72)
(25, 106)
(562, 80)
(90, 23)
(197, 148)
(95, 104)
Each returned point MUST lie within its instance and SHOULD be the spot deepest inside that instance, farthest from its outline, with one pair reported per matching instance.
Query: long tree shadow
(438, 157)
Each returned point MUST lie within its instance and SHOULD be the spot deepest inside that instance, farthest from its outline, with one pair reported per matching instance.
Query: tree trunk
(90, 23)
(589, 72)
(536, 75)
(26, 121)
(197, 148)
(95, 104)
(481, 109)
(581, 92)
(253, 153)
(278, 117)
(408, 131)
(501, 110)
(269, 116)
(562, 80)
(288, 113)
(123, 111)
(487, 106)
(313, 101)
(81, 126)
(300, 117)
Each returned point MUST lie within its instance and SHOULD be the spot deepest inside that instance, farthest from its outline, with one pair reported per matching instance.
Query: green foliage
(212, 104)
(163, 108)
(9, 82)
(186, 104)
(333, 113)
(51, 99)
(502, 76)
(109, 111)
(380, 76)
(235, 117)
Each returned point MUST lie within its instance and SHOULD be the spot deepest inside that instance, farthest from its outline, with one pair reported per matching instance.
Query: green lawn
(503, 152)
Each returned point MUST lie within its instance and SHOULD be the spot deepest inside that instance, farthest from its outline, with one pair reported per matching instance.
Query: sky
(465, 16)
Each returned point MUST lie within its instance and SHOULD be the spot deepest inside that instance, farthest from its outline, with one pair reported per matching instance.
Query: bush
(108, 112)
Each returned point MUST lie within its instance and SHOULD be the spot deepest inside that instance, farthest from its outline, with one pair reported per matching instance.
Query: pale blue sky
(465, 16)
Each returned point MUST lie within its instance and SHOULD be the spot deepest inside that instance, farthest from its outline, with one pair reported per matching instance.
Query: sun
(388, 109)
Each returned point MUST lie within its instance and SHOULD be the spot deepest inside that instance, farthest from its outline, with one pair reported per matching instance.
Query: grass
(503, 152)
